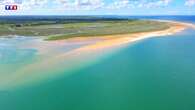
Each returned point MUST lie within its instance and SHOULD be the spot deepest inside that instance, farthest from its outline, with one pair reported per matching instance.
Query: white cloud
(79, 4)
(91, 4)
(6, 1)
(25, 4)
(190, 3)
(139, 4)
(32, 4)
(3, 2)
(119, 4)
(159, 3)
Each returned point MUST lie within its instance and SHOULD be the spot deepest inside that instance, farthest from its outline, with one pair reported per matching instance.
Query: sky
(99, 7)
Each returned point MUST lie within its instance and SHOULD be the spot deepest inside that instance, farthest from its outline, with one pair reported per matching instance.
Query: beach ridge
(117, 40)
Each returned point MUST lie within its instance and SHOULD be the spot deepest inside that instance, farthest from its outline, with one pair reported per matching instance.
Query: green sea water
(152, 74)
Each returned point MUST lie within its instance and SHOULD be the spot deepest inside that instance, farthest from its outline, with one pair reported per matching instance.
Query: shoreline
(117, 40)
(65, 62)
(108, 41)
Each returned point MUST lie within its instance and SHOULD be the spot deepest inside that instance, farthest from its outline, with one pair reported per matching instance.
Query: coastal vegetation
(63, 28)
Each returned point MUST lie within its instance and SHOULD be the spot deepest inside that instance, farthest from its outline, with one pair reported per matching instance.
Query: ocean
(152, 74)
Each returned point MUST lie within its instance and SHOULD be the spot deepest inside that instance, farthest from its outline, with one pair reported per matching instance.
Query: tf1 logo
(11, 7)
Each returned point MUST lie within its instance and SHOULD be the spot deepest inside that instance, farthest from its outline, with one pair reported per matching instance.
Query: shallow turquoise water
(152, 74)
(12, 57)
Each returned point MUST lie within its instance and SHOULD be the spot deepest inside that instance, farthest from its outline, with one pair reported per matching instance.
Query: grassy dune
(57, 31)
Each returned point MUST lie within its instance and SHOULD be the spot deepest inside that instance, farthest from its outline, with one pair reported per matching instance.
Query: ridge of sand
(116, 40)
(98, 42)
(82, 56)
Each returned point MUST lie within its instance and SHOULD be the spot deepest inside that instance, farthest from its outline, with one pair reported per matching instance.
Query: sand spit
(93, 43)
(116, 40)
(79, 57)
